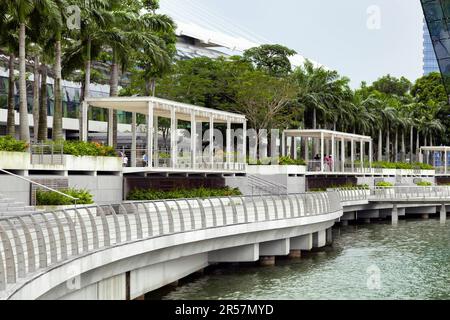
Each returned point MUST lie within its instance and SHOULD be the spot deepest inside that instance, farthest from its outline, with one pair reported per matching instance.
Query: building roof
(328, 134)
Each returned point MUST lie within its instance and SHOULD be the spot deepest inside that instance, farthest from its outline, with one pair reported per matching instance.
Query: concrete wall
(105, 189)
(14, 188)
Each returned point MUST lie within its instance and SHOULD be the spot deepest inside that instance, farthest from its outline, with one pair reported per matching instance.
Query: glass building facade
(430, 63)
(437, 15)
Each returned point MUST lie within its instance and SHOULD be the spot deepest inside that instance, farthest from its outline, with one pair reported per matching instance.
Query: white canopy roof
(328, 134)
(162, 108)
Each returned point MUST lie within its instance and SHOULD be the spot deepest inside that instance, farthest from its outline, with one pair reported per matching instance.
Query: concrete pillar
(173, 137)
(274, 248)
(244, 142)
(110, 127)
(193, 140)
(249, 253)
(150, 131)
(229, 142)
(295, 148)
(329, 236)
(320, 239)
(306, 149)
(443, 214)
(370, 154)
(322, 151)
(303, 243)
(283, 144)
(362, 151)
(333, 153)
(342, 155)
(295, 254)
(352, 154)
(445, 162)
(156, 140)
(133, 139)
(395, 215)
(84, 130)
(211, 141)
(267, 261)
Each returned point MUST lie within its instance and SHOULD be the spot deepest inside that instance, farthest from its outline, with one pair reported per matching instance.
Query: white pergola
(154, 108)
(439, 158)
(324, 140)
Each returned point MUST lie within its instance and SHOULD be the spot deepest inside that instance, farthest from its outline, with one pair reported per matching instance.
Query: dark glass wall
(437, 15)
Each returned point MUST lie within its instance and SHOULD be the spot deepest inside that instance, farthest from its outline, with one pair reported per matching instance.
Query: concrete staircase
(10, 207)
(264, 187)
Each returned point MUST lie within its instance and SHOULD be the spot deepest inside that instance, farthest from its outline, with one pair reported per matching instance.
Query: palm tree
(20, 11)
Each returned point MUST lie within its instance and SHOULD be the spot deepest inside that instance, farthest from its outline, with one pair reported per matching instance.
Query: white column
(173, 137)
(352, 155)
(229, 142)
(133, 139)
(283, 144)
(211, 141)
(322, 152)
(362, 151)
(244, 142)
(155, 141)
(370, 153)
(342, 154)
(295, 148)
(306, 140)
(110, 127)
(193, 140)
(84, 130)
(333, 153)
(445, 161)
(150, 134)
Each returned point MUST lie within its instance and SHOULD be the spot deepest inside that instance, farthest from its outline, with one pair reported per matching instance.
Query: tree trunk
(11, 119)
(114, 92)
(314, 118)
(403, 146)
(23, 109)
(388, 144)
(36, 98)
(43, 131)
(380, 145)
(87, 81)
(417, 145)
(58, 110)
(396, 145)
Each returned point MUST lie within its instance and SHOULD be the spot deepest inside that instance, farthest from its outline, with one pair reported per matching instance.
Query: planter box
(276, 170)
(22, 161)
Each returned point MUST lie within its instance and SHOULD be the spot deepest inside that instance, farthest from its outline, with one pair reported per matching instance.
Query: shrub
(49, 198)
(424, 184)
(202, 193)
(94, 149)
(8, 143)
(400, 165)
(384, 184)
(287, 161)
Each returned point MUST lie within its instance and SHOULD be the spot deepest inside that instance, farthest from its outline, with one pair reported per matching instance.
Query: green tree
(392, 86)
(273, 59)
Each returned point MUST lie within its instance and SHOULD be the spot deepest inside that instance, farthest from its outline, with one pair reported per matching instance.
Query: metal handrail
(40, 185)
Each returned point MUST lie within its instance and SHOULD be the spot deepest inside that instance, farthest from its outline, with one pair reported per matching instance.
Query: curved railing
(34, 242)
(352, 194)
(415, 192)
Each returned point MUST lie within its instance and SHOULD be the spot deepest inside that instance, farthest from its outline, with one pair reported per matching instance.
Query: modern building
(437, 15)
(429, 57)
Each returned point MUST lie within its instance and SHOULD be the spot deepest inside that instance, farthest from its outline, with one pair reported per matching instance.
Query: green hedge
(94, 149)
(49, 198)
(282, 161)
(384, 184)
(424, 184)
(202, 193)
(401, 166)
(8, 143)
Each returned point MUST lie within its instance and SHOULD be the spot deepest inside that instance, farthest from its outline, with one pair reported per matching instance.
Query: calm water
(413, 259)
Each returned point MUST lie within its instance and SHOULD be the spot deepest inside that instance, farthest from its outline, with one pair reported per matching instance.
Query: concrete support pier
(443, 214)
(267, 261)
(395, 215)
(295, 254)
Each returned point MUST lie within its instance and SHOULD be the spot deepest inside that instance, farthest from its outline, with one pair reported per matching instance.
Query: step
(16, 205)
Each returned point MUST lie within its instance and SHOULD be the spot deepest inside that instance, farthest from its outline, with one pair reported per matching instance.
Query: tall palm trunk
(380, 145)
(314, 118)
(87, 81)
(36, 98)
(114, 92)
(58, 112)
(23, 109)
(403, 146)
(396, 145)
(43, 131)
(11, 119)
(388, 144)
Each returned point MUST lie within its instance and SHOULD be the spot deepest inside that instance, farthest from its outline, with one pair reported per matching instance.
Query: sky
(362, 39)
